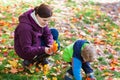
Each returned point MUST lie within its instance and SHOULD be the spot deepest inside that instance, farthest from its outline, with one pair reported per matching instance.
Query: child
(33, 39)
(79, 54)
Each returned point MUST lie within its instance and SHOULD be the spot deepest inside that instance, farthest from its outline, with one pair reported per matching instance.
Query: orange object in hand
(54, 47)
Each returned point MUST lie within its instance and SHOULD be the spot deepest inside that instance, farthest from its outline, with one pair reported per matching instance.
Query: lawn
(75, 20)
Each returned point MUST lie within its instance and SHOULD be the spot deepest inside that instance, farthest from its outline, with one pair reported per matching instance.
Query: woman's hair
(89, 53)
(44, 11)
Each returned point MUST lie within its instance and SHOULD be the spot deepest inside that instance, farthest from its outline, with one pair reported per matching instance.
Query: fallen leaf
(13, 70)
(110, 78)
(45, 69)
(87, 78)
(37, 69)
(107, 74)
(116, 78)
(102, 67)
(1, 58)
(13, 63)
(54, 78)
(20, 69)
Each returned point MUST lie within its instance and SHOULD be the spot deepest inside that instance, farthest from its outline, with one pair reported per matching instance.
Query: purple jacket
(28, 35)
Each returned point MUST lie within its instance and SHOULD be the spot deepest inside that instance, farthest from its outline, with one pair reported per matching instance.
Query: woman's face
(43, 21)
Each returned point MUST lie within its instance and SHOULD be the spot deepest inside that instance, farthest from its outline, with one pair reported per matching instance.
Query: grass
(57, 70)
(9, 76)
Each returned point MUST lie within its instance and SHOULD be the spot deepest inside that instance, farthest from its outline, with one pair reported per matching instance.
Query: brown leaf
(13, 70)
(102, 67)
(20, 69)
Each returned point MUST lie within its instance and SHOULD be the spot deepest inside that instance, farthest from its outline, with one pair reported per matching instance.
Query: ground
(96, 22)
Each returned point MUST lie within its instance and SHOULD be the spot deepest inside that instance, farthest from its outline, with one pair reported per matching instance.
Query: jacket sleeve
(25, 39)
(47, 36)
(76, 65)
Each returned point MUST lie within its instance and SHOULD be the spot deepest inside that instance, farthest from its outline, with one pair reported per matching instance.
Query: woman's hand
(51, 49)
(48, 50)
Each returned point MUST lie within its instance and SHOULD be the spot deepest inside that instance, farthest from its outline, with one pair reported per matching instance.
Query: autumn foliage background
(74, 19)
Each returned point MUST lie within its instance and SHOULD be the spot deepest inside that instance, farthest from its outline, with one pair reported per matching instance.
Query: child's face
(43, 21)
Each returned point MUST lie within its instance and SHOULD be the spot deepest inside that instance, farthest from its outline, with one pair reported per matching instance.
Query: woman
(33, 38)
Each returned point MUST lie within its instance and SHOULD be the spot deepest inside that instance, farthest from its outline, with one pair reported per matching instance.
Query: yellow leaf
(13, 63)
(107, 74)
(45, 69)
(72, 26)
(54, 78)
